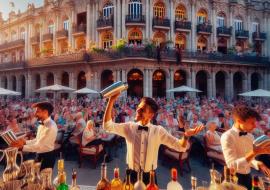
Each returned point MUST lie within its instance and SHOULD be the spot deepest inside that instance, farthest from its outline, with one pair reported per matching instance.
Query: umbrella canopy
(7, 92)
(256, 93)
(183, 89)
(85, 91)
(55, 88)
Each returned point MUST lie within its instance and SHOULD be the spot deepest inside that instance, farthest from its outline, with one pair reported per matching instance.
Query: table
(83, 187)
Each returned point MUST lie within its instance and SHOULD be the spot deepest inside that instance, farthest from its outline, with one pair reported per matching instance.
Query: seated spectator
(79, 128)
(212, 137)
(89, 136)
(195, 121)
(170, 121)
(13, 125)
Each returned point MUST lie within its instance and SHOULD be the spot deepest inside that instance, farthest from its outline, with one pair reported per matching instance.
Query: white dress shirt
(45, 139)
(149, 143)
(235, 148)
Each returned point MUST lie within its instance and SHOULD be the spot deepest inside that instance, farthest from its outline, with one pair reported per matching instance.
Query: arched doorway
(106, 78)
(220, 84)
(180, 41)
(159, 84)
(65, 82)
(180, 79)
(14, 83)
(237, 83)
(23, 81)
(201, 82)
(135, 83)
(202, 43)
(222, 45)
(81, 81)
(107, 40)
(255, 81)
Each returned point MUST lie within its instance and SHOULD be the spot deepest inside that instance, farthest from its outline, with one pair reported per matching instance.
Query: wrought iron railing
(12, 44)
(241, 33)
(135, 19)
(186, 25)
(62, 33)
(79, 28)
(162, 22)
(259, 35)
(204, 28)
(105, 22)
(224, 30)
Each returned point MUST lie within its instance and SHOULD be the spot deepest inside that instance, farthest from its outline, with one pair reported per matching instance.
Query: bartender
(237, 146)
(43, 144)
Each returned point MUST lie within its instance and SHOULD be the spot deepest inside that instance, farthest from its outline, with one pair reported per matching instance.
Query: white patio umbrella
(55, 88)
(85, 91)
(256, 93)
(6, 92)
(183, 89)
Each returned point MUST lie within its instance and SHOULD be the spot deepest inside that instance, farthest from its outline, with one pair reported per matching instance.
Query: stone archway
(50, 79)
(135, 83)
(13, 83)
(81, 81)
(159, 83)
(255, 81)
(201, 82)
(179, 79)
(220, 84)
(237, 83)
(106, 78)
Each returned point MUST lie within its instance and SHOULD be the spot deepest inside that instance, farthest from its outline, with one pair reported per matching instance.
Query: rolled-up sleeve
(121, 129)
(170, 141)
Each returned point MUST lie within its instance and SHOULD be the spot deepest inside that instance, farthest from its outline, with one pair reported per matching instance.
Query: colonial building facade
(44, 46)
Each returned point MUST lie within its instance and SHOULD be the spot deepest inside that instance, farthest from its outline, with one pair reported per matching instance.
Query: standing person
(143, 138)
(237, 145)
(43, 144)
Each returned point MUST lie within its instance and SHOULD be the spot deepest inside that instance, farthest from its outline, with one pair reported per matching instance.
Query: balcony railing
(224, 31)
(259, 36)
(11, 65)
(182, 25)
(204, 28)
(13, 44)
(79, 29)
(105, 22)
(61, 34)
(135, 19)
(161, 22)
(241, 34)
(47, 37)
(35, 39)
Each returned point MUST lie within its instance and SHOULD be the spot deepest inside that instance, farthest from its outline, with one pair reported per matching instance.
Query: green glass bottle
(62, 182)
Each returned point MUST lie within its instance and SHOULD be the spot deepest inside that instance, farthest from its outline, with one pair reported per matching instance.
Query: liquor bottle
(62, 182)
(193, 183)
(255, 183)
(227, 175)
(74, 185)
(139, 185)
(173, 184)
(116, 183)
(60, 168)
(103, 183)
(152, 185)
(46, 175)
(127, 185)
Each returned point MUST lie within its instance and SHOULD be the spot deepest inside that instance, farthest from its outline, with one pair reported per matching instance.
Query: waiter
(237, 146)
(44, 142)
(143, 138)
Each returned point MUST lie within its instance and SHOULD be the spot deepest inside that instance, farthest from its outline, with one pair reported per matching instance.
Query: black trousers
(146, 177)
(245, 180)
(47, 159)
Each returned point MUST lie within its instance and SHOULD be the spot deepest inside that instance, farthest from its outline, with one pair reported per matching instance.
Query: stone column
(231, 86)
(249, 26)
(172, 18)
(118, 19)
(245, 85)
(123, 19)
(28, 85)
(209, 86)
(214, 29)
(95, 24)
(214, 87)
(147, 21)
(193, 35)
(146, 83)
(171, 83)
(42, 83)
(150, 81)
(57, 78)
(9, 82)
(151, 16)
(193, 78)
(88, 25)
(55, 43)
(265, 29)
(231, 22)
(18, 84)
(118, 76)
(115, 22)
(249, 81)
(29, 46)
(88, 78)
(93, 21)
(168, 84)
(97, 81)
(227, 88)
(188, 78)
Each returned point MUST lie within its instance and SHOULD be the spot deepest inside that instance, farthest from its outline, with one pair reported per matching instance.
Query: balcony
(204, 29)
(105, 23)
(224, 31)
(47, 37)
(182, 26)
(35, 39)
(259, 36)
(132, 20)
(161, 23)
(12, 45)
(62, 34)
(241, 34)
(11, 66)
(79, 30)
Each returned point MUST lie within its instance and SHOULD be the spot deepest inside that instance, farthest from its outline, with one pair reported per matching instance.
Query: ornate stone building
(43, 45)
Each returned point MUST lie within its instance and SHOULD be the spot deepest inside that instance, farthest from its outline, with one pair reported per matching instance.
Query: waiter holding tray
(43, 144)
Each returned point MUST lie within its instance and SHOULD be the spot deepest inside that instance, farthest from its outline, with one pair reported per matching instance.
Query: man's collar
(140, 123)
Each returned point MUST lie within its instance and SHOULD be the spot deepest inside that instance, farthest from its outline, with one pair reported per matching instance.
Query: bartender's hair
(44, 106)
(152, 103)
(244, 112)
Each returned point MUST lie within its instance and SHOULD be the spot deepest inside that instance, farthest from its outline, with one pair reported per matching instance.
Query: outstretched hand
(194, 131)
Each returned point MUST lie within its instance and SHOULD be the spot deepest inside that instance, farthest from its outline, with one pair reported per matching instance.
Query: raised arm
(108, 111)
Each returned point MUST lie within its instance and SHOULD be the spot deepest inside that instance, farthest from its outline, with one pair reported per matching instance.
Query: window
(255, 27)
(180, 13)
(220, 21)
(107, 40)
(135, 37)
(108, 10)
(51, 28)
(159, 10)
(201, 16)
(135, 8)
(238, 24)
(22, 35)
(66, 25)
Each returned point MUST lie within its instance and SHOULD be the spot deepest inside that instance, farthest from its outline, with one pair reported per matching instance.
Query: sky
(5, 7)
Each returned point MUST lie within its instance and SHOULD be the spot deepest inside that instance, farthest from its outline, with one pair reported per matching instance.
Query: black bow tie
(242, 134)
(142, 128)
(40, 123)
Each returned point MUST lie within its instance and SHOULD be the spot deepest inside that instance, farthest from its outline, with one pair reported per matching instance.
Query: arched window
(108, 10)
(159, 10)
(180, 13)
(159, 38)
(202, 43)
(135, 36)
(135, 8)
(238, 23)
(221, 19)
(65, 23)
(180, 40)
(51, 27)
(201, 16)
(107, 40)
